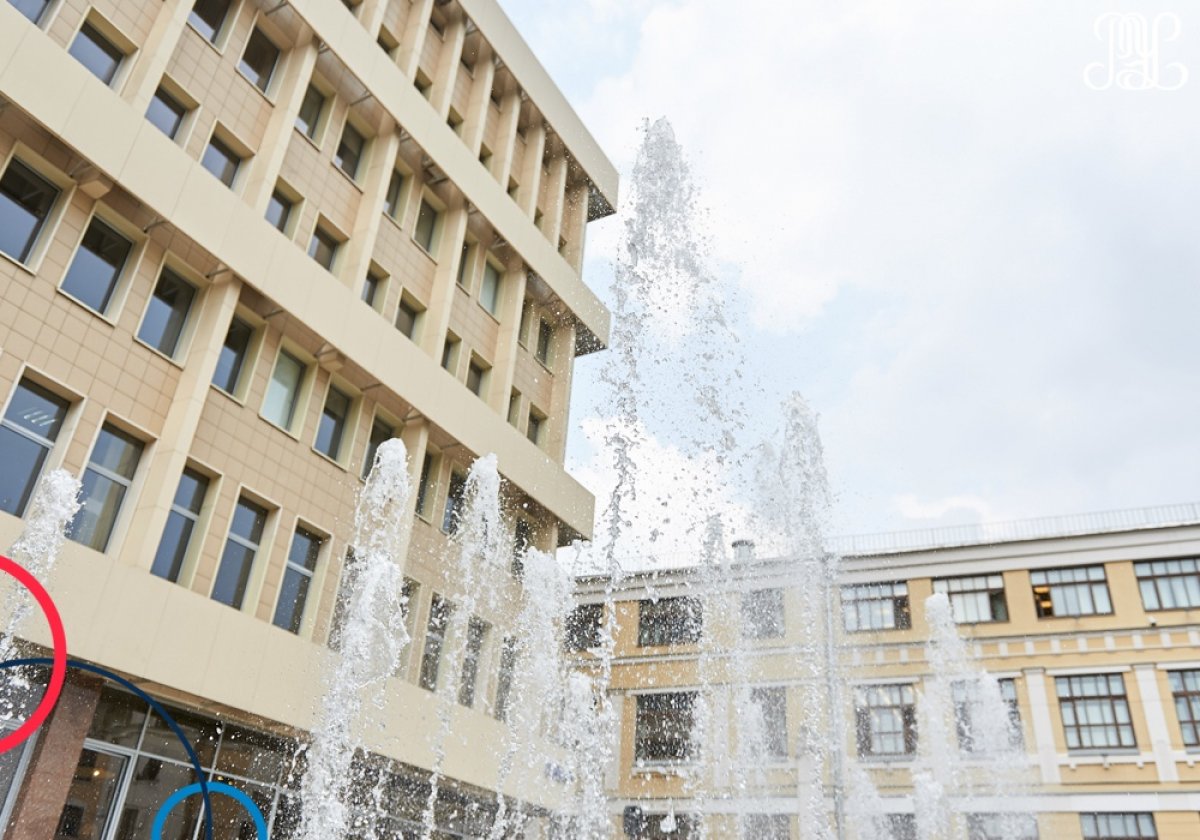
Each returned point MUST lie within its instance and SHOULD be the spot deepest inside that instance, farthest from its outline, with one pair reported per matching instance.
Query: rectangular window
(902, 826)
(350, 150)
(181, 525)
(259, 60)
(241, 549)
(1095, 712)
(406, 318)
(221, 161)
(522, 542)
(450, 353)
(332, 426)
(297, 579)
(523, 326)
(27, 434)
(283, 391)
(455, 493)
(875, 606)
(477, 630)
(1074, 591)
(975, 599)
(423, 485)
(166, 113)
(582, 630)
(464, 261)
(533, 429)
(770, 711)
(669, 621)
(504, 679)
(234, 352)
(208, 17)
(663, 728)
(971, 721)
(391, 201)
(32, 9)
(885, 718)
(323, 247)
(1185, 688)
(545, 334)
(514, 407)
(435, 639)
(380, 432)
(95, 52)
(309, 118)
(475, 377)
(97, 266)
(26, 200)
(762, 614)
(167, 313)
(1169, 584)
(766, 827)
(1117, 826)
(1002, 827)
(279, 210)
(106, 482)
(427, 225)
(489, 287)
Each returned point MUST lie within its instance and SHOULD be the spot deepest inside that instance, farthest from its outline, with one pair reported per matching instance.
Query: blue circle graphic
(178, 796)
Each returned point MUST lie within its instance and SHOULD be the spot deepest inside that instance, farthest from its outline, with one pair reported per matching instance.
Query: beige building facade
(1093, 633)
(242, 243)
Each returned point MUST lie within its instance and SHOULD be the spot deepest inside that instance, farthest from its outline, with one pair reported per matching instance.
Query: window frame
(689, 629)
(433, 647)
(1043, 592)
(299, 398)
(299, 623)
(969, 589)
(45, 228)
(866, 602)
(682, 749)
(323, 230)
(315, 131)
(194, 543)
(900, 700)
(435, 231)
(129, 485)
(50, 446)
(343, 440)
(172, 90)
(1114, 704)
(222, 141)
(360, 155)
(1164, 572)
(751, 626)
(260, 550)
(1185, 694)
(264, 86)
(182, 342)
(245, 370)
(124, 273)
(406, 305)
(1091, 822)
(220, 33)
(111, 37)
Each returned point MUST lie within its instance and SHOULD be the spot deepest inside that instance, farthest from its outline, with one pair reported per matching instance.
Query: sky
(970, 249)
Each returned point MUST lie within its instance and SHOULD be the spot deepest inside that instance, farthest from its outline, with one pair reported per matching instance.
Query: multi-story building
(242, 243)
(1091, 624)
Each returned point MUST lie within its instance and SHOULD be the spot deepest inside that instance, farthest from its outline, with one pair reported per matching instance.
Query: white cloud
(976, 508)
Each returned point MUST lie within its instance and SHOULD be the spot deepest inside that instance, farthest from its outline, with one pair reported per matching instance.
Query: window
(522, 542)
(974, 600)
(95, 52)
(297, 578)
(283, 391)
(902, 826)
(221, 161)
(241, 549)
(97, 266)
(167, 313)
(766, 827)
(1117, 826)
(875, 606)
(279, 210)
(533, 430)
(1185, 687)
(669, 621)
(406, 317)
(1095, 712)
(32, 9)
(545, 334)
(489, 288)
(427, 224)
(332, 426)
(350, 150)
(27, 434)
(233, 356)
(1169, 584)
(387, 42)
(371, 288)
(762, 614)
(259, 60)
(380, 432)
(1002, 827)
(504, 679)
(450, 353)
(885, 718)
(26, 200)
(663, 728)
(323, 247)
(977, 731)
(208, 17)
(455, 493)
(106, 481)
(464, 261)
(181, 524)
(308, 120)
(166, 113)
(475, 377)
(455, 121)
(391, 201)
(1080, 590)
(523, 326)
(477, 630)
(423, 485)
(582, 629)
(770, 720)
(435, 639)
(514, 407)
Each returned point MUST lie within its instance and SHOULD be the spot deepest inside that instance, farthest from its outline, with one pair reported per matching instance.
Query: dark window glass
(1073, 591)
(423, 485)
(475, 378)
(297, 578)
(464, 260)
(233, 355)
(435, 638)
(95, 52)
(452, 516)
(489, 287)
(167, 312)
(1185, 688)
(426, 228)
(27, 433)
(371, 287)
(181, 524)
(208, 16)
(477, 630)
(259, 60)
(166, 112)
(582, 629)
(545, 334)
(323, 248)
(885, 719)
(1169, 584)
(1118, 826)
(406, 318)
(332, 427)
(1095, 712)
(669, 621)
(762, 614)
(663, 727)
(450, 353)
(97, 266)
(96, 781)
(975, 599)
(533, 430)
(32, 9)
(310, 112)
(241, 547)
(221, 161)
(279, 210)
(349, 151)
(876, 606)
(504, 679)
(522, 542)
(105, 483)
(25, 202)
(391, 203)
(380, 432)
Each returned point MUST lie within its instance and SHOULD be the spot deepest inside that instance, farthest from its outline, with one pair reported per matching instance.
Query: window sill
(331, 460)
(315, 142)
(391, 219)
(885, 761)
(100, 316)
(662, 768)
(424, 251)
(265, 96)
(234, 398)
(292, 434)
(353, 182)
(222, 36)
(488, 312)
(179, 363)
(26, 267)
(1100, 752)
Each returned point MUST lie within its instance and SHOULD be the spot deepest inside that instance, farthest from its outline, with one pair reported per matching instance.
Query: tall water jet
(372, 641)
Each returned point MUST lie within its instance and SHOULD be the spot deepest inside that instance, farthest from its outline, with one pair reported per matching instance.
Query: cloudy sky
(979, 270)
